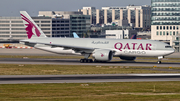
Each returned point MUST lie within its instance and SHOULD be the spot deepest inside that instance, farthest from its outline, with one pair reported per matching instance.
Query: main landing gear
(159, 59)
(86, 60)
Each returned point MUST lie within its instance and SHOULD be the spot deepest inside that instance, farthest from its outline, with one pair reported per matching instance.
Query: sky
(12, 7)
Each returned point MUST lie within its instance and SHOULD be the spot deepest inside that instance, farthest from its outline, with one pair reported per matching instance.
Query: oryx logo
(31, 29)
(102, 55)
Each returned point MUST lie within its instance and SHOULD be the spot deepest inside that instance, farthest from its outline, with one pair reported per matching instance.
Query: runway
(76, 62)
(26, 79)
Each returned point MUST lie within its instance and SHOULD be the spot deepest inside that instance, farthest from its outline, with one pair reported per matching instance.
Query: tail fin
(33, 31)
(133, 36)
(75, 35)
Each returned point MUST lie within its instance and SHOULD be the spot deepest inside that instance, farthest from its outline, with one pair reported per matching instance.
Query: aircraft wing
(76, 48)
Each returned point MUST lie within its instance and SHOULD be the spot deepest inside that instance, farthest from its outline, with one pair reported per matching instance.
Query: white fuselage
(135, 53)
(121, 47)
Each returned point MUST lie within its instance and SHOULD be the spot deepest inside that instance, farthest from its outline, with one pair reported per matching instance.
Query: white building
(120, 34)
(13, 27)
(139, 16)
(165, 20)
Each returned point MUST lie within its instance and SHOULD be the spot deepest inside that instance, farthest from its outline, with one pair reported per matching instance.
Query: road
(24, 79)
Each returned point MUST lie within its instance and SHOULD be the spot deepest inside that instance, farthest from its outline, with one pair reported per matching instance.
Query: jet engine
(127, 58)
(103, 55)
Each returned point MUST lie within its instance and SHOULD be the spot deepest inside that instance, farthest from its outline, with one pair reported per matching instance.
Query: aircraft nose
(172, 51)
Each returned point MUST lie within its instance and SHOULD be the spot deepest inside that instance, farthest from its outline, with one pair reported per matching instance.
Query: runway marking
(155, 74)
(150, 93)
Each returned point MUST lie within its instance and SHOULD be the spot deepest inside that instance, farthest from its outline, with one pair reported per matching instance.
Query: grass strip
(130, 91)
(28, 69)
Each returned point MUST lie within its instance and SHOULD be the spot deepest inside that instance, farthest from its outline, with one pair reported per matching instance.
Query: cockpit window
(168, 47)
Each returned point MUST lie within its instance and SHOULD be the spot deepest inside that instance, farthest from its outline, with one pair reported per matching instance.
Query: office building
(13, 27)
(176, 42)
(165, 20)
(65, 23)
(52, 23)
(120, 34)
(60, 27)
(136, 16)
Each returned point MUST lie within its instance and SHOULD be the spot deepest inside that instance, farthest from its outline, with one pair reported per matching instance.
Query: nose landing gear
(159, 59)
(159, 62)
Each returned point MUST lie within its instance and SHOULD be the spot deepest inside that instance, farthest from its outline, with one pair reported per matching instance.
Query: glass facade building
(165, 21)
(60, 27)
(165, 12)
(79, 24)
(176, 42)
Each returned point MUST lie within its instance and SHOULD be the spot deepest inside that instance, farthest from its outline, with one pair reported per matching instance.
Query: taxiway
(4, 79)
(24, 79)
(76, 62)
(37, 52)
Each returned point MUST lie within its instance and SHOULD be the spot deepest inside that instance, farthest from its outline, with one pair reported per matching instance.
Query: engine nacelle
(103, 55)
(127, 58)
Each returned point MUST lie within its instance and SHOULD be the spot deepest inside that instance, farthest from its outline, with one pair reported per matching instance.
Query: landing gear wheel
(95, 61)
(86, 60)
(159, 62)
(89, 60)
(82, 60)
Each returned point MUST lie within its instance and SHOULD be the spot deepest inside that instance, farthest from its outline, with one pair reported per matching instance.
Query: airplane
(102, 50)
(75, 35)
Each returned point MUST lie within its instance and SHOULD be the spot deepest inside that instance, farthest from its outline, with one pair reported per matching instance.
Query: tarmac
(76, 62)
(24, 79)
(38, 52)
(28, 79)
